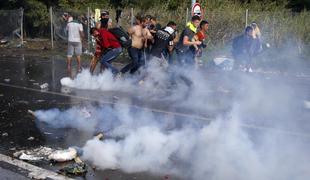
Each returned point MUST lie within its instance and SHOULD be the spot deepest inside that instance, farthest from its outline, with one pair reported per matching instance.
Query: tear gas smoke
(141, 140)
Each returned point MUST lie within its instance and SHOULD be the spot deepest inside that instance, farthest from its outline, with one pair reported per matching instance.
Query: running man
(138, 36)
(186, 42)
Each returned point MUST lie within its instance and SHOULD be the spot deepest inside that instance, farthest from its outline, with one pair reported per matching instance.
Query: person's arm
(81, 31)
(147, 34)
(187, 42)
(131, 30)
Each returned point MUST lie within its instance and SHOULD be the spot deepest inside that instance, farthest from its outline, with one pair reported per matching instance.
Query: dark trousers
(108, 57)
(185, 57)
(137, 60)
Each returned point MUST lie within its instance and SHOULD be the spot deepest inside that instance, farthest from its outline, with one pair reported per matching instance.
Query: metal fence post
(22, 26)
(246, 17)
(132, 16)
(186, 19)
(88, 28)
(52, 31)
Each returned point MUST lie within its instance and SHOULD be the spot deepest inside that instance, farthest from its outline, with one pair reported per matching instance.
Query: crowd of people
(147, 41)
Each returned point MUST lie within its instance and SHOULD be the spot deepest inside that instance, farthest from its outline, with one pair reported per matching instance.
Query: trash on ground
(30, 139)
(65, 90)
(5, 134)
(74, 169)
(99, 136)
(23, 102)
(27, 157)
(31, 112)
(7, 80)
(4, 41)
(44, 86)
(63, 155)
(40, 153)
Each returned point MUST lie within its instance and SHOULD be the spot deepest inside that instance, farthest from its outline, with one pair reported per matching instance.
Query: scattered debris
(7, 80)
(63, 155)
(99, 136)
(23, 102)
(5, 134)
(34, 154)
(13, 149)
(65, 90)
(74, 169)
(4, 41)
(40, 100)
(47, 133)
(27, 157)
(44, 86)
(31, 112)
(30, 139)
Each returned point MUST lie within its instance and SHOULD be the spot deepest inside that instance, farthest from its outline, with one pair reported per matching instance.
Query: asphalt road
(20, 78)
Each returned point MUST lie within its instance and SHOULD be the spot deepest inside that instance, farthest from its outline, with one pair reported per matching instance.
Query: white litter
(7, 80)
(63, 155)
(44, 86)
(27, 157)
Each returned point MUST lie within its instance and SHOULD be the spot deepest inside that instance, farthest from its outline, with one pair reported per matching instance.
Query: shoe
(250, 70)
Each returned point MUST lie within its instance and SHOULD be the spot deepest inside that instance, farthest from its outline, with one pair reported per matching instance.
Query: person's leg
(108, 57)
(69, 57)
(134, 54)
(93, 64)
(180, 57)
(78, 52)
(131, 64)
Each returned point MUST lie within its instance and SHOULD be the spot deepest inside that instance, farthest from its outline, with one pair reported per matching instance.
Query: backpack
(122, 36)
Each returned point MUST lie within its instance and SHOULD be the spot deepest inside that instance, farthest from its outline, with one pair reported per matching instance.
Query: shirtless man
(138, 36)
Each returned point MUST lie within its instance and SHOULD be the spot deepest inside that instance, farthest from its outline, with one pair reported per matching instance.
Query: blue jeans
(108, 57)
(137, 58)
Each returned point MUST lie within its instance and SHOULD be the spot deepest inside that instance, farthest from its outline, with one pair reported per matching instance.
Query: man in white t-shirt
(75, 35)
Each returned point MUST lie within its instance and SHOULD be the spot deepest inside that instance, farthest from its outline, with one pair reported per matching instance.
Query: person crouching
(110, 45)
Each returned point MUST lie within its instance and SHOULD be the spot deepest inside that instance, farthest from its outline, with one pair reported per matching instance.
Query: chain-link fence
(11, 29)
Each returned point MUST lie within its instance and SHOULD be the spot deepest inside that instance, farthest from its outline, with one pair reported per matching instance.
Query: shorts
(74, 47)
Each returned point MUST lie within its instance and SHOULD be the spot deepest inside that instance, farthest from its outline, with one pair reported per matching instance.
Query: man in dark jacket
(244, 48)
(186, 42)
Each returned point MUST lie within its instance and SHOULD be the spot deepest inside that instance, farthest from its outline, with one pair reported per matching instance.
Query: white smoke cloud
(139, 140)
